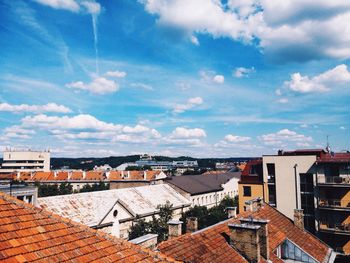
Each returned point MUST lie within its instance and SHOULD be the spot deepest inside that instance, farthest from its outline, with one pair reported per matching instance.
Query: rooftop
(93, 207)
(211, 245)
(31, 234)
(204, 183)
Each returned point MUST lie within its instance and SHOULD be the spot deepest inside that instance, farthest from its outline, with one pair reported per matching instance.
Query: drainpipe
(296, 185)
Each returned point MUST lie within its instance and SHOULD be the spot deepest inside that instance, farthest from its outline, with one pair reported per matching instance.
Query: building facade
(315, 181)
(25, 161)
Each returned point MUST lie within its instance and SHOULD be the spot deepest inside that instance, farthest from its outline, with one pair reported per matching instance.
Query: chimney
(55, 174)
(174, 228)
(70, 173)
(263, 234)
(191, 224)
(84, 175)
(253, 205)
(245, 238)
(107, 174)
(231, 212)
(144, 175)
(146, 241)
(299, 218)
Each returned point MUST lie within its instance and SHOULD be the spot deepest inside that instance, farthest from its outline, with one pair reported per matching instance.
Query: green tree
(158, 224)
(95, 187)
(65, 189)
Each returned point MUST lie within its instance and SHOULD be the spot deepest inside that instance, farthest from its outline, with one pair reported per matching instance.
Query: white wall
(285, 179)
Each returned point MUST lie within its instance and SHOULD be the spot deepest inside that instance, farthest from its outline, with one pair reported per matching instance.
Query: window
(271, 172)
(290, 251)
(307, 200)
(247, 191)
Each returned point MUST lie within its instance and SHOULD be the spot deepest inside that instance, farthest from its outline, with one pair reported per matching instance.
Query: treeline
(90, 163)
(67, 188)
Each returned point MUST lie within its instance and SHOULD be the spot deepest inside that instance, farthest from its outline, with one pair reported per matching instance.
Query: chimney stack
(231, 212)
(191, 224)
(245, 238)
(299, 218)
(253, 205)
(174, 228)
(263, 234)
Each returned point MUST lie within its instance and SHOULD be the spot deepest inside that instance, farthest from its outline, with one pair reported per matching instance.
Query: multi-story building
(25, 161)
(316, 181)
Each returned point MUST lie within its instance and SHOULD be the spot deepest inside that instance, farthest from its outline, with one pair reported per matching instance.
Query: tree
(158, 224)
(207, 217)
(54, 189)
(95, 187)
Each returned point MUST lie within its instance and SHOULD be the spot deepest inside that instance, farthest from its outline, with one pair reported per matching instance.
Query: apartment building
(316, 181)
(25, 161)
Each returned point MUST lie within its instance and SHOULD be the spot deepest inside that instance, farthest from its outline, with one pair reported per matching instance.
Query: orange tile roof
(115, 175)
(31, 234)
(8, 176)
(61, 176)
(41, 176)
(210, 243)
(95, 175)
(77, 175)
(24, 176)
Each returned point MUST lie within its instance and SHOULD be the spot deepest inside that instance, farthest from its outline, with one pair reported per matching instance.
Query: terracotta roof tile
(31, 234)
(210, 245)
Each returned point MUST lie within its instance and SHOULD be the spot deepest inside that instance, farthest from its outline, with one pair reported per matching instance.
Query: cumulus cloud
(87, 127)
(49, 107)
(116, 74)
(235, 138)
(17, 132)
(283, 100)
(284, 136)
(286, 30)
(211, 77)
(98, 85)
(191, 103)
(184, 133)
(73, 5)
(194, 40)
(219, 79)
(241, 72)
(339, 75)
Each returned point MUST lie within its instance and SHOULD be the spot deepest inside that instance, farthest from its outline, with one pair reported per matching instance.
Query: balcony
(334, 180)
(335, 228)
(334, 203)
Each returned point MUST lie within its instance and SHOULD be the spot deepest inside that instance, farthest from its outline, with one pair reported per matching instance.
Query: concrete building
(314, 181)
(27, 194)
(25, 161)
(206, 189)
(114, 211)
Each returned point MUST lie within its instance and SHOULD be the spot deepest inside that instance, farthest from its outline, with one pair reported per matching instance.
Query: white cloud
(90, 7)
(235, 138)
(194, 40)
(283, 100)
(191, 103)
(116, 74)
(241, 72)
(99, 85)
(184, 133)
(287, 30)
(278, 92)
(17, 132)
(49, 107)
(342, 128)
(321, 83)
(284, 136)
(219, 79)
(87, 127)
(70, 5)
(142, 86)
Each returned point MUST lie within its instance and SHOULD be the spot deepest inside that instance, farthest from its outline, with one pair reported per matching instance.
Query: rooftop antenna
(328, 148)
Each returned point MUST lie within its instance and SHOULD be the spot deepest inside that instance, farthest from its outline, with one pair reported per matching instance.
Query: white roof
(91, 208)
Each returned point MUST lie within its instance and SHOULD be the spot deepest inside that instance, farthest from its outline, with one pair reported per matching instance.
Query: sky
(201, 78)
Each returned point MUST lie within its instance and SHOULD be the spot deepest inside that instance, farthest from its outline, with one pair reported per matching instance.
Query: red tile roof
(334, 158)
(95, 176)
(77, 175)
(209, 245)
(31, 234)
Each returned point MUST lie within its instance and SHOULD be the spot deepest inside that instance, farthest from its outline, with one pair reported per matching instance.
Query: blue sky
(199, 78)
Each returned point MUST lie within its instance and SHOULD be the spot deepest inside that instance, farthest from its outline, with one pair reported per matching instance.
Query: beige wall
(27, 156)
(285, 179)
(256, 190)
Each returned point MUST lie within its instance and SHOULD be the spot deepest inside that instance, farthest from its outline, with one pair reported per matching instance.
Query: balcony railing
(342, 228)
(336, 203)
(333, 179)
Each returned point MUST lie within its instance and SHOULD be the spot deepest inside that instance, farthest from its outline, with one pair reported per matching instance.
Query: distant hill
(89, 163)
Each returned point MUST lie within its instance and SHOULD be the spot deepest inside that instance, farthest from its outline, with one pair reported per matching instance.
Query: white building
(114, 211)
(25, 161)
(206, 189)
